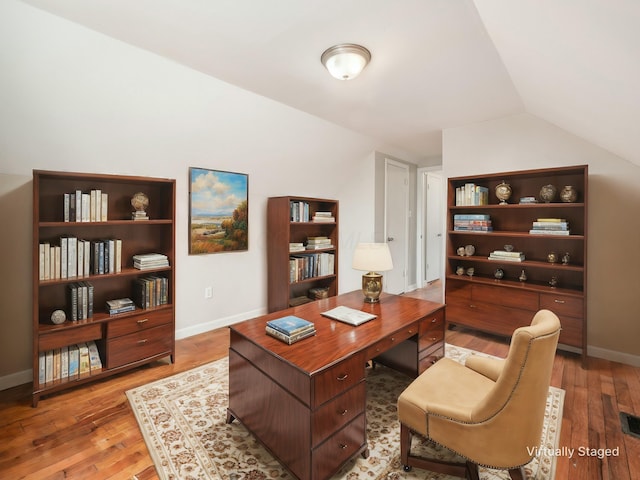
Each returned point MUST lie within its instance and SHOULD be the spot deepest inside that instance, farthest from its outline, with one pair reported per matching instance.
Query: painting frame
(218, 211)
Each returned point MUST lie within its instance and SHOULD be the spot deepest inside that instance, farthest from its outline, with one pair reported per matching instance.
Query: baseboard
(612, 355)
(217, 323)
(15, 379)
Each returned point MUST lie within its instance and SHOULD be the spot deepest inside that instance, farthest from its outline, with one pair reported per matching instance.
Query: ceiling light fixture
(345, 61)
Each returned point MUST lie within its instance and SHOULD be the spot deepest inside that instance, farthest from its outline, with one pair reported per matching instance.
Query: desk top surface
(335, 340)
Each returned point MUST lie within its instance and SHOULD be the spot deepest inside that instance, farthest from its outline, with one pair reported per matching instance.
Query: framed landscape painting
(218, 211)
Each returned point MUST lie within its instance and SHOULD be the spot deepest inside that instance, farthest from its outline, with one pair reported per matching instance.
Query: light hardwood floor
(90, 431)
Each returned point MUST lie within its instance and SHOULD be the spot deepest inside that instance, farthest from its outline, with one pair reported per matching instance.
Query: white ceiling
(435, 63)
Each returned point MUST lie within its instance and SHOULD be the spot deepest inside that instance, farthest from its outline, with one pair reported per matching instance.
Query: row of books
(68, 363)
(290, 329)
(505, 256)
(299, 211)
(550, 226)
(86, 207)
(75, 257)
(471, 194)
(148, 261)
(302, 267)
(151, 291)
(313, 243)
(80, 301)
(477, 222)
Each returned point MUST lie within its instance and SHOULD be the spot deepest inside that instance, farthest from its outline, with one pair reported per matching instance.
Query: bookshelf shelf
(499, 306)
(284, 228)
(125, 340)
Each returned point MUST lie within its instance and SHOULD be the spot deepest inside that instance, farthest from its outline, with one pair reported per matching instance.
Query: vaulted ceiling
(435, 64)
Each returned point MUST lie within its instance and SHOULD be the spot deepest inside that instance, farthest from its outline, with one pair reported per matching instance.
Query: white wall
(75, 100)
(526, 142)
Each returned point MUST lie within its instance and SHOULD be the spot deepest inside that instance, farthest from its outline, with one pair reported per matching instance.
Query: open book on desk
(349, 315)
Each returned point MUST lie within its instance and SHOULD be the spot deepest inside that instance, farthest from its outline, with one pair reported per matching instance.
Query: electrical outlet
(208, 292)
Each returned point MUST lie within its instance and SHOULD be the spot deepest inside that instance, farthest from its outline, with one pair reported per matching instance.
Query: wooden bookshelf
(482, 301)
(125, 340)
(286, 226)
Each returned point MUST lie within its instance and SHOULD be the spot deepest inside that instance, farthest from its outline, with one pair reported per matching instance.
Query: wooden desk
(306, 402)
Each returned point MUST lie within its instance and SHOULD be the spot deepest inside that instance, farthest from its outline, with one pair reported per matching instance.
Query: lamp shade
(372, 257)
(345, 61)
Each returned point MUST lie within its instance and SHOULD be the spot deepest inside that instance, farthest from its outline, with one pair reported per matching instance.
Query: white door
(433, 233)
(396, 224)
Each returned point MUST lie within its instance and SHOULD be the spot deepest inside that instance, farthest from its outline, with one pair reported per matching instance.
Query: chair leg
(472, 471)
(517, 473)
(448, 468)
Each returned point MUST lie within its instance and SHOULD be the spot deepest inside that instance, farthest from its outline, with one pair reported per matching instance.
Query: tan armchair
(488, 410)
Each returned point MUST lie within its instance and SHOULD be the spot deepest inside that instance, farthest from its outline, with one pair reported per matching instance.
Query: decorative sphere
(548, 193)
(139, 201)
(503, 192)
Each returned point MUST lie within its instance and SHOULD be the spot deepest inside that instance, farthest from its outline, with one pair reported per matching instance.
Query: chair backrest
(516, 404)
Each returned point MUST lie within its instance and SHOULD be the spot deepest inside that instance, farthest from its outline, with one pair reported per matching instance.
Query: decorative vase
(499, 273)
(503, 192)
(566, 258)
(568, 194)
(548, 193)
(552, 257)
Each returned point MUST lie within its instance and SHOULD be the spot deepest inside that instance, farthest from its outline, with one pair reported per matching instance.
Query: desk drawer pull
(142, 342)
(142, 321)
(342, 377)
(343, 412)
(342, 446)
(560, 301)
(471, 305)
(434, 320)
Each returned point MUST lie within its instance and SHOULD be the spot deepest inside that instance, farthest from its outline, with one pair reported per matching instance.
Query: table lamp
(372, 258)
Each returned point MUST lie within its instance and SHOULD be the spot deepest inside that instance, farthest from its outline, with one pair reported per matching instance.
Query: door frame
(405, 246)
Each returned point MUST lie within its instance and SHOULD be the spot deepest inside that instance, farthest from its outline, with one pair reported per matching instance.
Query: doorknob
(389, 239)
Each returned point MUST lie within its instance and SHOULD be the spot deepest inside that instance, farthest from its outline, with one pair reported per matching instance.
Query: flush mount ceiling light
(345, 61)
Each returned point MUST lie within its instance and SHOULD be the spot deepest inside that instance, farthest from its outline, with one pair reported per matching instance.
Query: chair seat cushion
(458, 390)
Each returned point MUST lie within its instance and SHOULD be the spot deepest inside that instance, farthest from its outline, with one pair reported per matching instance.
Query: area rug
(182, 419)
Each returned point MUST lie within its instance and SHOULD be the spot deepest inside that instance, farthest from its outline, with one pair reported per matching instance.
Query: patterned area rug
(182, 419)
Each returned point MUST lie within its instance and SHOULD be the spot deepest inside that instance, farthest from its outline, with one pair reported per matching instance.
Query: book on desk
(290, 329)
(349, 315)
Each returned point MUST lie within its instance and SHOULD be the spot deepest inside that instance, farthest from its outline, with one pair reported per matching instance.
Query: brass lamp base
(371, 287)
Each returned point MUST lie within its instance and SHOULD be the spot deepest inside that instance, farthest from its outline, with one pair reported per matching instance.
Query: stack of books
(504, 256)
(323, 217)
(550, 226)
(526, 200)
(119, 305)
(296, 247)
(290, 329)
(148, 261)
(139, 215)
(474, 222)
(318, 243)
(318, 293)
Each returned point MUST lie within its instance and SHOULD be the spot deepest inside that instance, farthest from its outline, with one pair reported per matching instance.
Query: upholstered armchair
(489, 410)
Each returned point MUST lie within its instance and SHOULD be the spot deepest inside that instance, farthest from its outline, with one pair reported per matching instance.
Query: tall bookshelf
(290, 220)
(499, 305)
(124, 340)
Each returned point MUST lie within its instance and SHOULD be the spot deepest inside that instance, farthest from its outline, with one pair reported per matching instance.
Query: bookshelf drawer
(562, 305)
(138, 346)
(337, 379)
(338, 412)
(137, 323)
(497, 295)
(69, 336)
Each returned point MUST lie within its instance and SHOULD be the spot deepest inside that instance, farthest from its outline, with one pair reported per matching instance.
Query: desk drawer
(338, 412)
(431, 330)
(391, 341)
(339, 448)
(138, 346)
(430, 356)
(337, 379)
